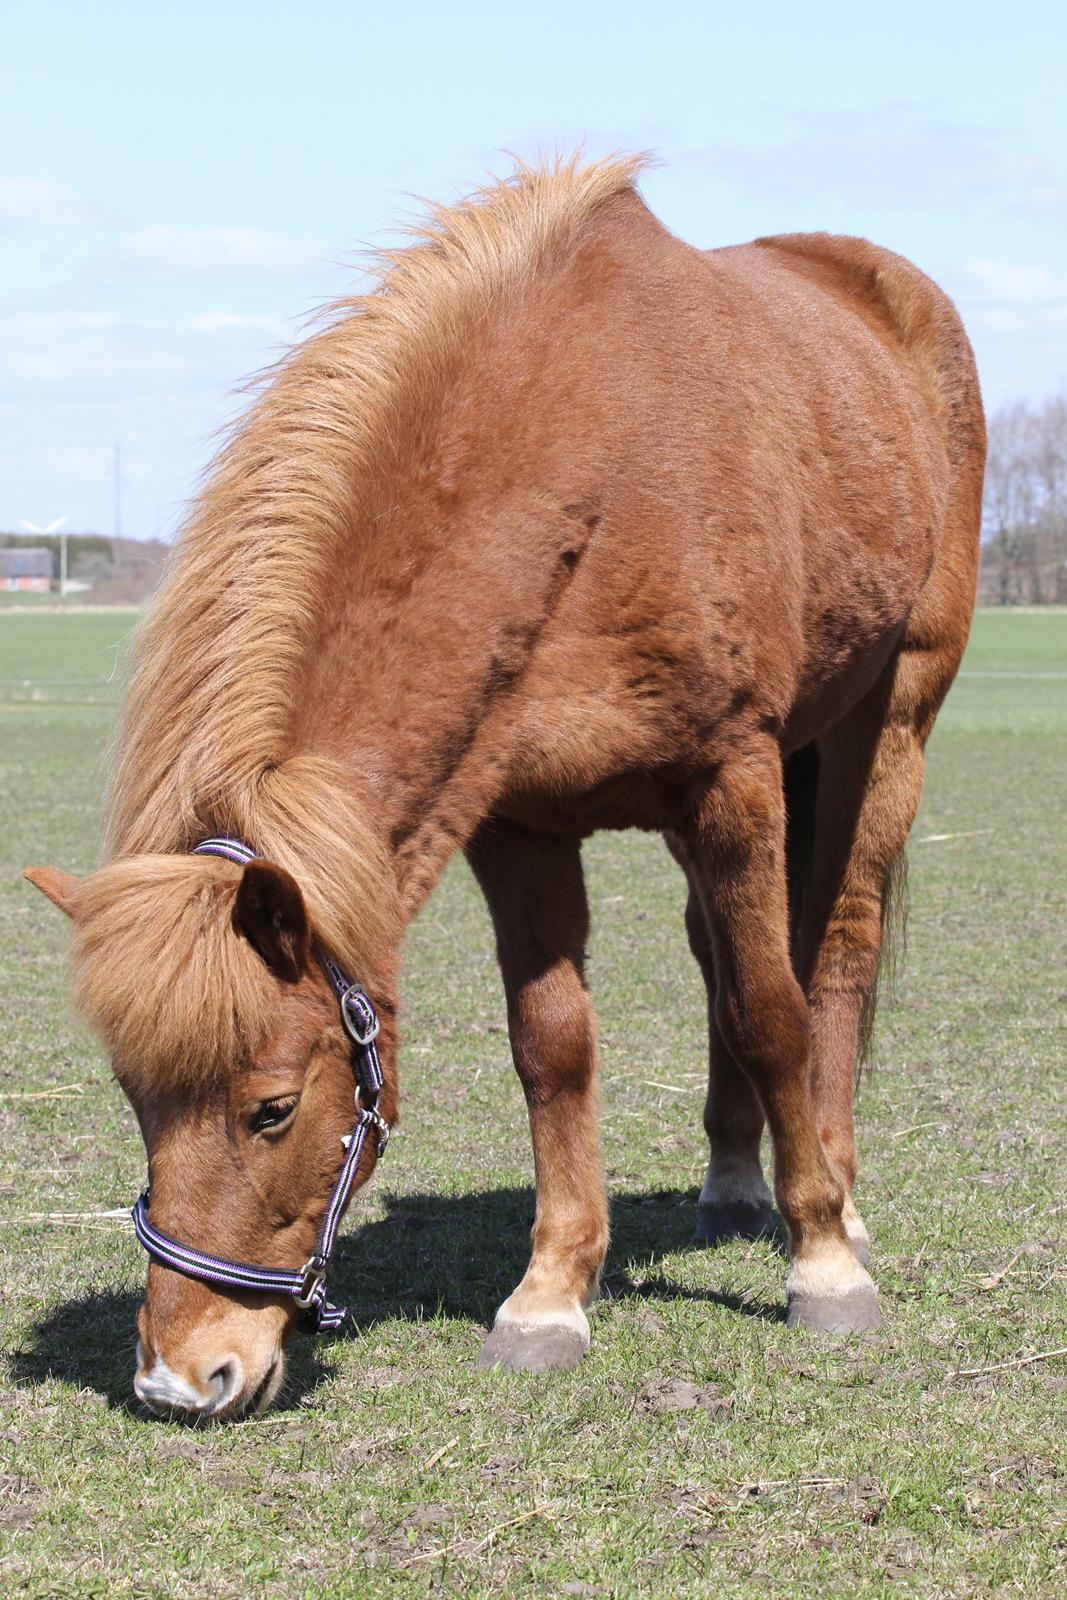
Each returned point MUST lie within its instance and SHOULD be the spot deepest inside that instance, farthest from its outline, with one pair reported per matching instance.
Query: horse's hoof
(736, 1219)
(552, 1347)
(855, 1312)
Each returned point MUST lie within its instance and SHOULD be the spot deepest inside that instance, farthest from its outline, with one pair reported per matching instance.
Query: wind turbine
(54, 527)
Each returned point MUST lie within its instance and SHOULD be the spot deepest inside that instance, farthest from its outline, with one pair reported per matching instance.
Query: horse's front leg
(536, 896)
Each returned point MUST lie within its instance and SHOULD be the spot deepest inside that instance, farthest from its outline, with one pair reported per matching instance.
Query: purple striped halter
(308, 1285)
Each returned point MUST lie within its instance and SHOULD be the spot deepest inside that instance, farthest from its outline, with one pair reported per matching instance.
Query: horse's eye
(272, 1113)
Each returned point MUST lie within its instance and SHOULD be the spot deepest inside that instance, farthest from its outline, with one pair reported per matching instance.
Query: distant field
(702, 1449)
(50, 657)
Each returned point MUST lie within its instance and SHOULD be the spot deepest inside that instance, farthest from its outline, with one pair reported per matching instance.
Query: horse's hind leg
(736, 845)
(735, 1202)
(870, 782)
(536, 896)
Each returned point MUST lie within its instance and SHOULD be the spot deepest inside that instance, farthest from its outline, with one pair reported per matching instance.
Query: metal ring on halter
(382, 1129)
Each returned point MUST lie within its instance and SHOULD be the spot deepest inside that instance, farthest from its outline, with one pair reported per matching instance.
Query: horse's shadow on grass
(457, 1256)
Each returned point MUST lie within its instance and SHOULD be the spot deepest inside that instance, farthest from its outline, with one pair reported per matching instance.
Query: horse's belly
(610, 731)
(632, 799)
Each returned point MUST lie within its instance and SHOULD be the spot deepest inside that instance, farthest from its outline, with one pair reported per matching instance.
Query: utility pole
(118, 490)
(53, 527)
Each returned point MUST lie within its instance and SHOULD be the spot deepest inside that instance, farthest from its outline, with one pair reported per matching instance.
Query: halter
(308, 1285)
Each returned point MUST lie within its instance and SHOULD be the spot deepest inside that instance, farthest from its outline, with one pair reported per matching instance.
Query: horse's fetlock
(811, 1210)
(581, 1242)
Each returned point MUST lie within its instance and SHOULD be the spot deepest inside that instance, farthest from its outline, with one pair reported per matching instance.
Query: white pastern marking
(832, 1273)
(735, 1183)
(854, 1227)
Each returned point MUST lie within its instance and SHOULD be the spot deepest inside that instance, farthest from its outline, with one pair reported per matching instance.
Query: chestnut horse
(565, 525)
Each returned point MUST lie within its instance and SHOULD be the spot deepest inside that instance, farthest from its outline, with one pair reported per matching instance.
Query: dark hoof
(553, 1348)
(733, 1219)
(845, 1313)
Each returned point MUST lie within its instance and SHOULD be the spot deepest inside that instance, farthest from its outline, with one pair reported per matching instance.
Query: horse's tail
(891, 952)
(801, 790)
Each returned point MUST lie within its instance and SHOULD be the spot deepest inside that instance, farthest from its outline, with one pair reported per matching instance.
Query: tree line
(1024, 514)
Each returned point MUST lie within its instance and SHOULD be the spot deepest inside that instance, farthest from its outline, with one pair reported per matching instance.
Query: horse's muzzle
(213, 1384)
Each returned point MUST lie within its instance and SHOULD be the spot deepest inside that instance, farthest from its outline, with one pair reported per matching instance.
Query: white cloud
(198, 254)
(35, 203)
(223, 321)
(92, 354)
(894, 156)
(77, 380)
(1017, 318)
(1001, 283)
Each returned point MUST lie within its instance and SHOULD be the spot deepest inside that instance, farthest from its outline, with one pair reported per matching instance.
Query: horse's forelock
(177, 996)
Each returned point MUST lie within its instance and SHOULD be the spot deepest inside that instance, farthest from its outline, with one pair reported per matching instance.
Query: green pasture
(702, 1449)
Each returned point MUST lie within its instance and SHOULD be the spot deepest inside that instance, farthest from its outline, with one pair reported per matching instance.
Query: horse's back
(908, 311)
(834, 370)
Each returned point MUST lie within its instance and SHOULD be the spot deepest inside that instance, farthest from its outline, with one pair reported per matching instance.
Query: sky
(180, 186)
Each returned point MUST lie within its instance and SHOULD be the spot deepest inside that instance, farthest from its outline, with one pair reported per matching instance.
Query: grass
(701, 1448)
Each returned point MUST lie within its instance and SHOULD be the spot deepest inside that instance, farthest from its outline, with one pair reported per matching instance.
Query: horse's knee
(553, 1035)
(769, 1033)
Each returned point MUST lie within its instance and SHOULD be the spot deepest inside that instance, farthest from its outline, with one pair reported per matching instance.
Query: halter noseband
(308, 1285)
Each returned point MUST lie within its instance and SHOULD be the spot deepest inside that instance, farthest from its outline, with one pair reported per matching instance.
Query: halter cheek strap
(307, 1286)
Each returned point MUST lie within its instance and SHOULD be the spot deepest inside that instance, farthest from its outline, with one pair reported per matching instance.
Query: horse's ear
(270, 913)
(60, 887)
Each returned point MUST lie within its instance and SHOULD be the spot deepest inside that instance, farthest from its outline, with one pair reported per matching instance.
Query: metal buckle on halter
(382, 1129)
(313, 1273)
(351, 1024)
(371, 1115)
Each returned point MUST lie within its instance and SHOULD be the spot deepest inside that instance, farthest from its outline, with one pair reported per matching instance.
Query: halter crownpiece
(307, 1285)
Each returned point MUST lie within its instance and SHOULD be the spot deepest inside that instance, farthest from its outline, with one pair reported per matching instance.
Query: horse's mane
(208, 738)
(179, 997)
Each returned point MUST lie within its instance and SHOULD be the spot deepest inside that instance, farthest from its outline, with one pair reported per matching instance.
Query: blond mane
(208, 739)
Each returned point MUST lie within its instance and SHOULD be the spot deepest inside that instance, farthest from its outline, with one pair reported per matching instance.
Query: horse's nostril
(226, 1381)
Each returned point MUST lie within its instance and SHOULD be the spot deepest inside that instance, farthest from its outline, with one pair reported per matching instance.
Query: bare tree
(1025, 512)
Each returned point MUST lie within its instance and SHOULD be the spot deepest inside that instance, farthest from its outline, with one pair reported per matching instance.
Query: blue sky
(180, 186)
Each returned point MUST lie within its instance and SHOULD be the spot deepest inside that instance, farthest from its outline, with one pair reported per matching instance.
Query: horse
(564, 524)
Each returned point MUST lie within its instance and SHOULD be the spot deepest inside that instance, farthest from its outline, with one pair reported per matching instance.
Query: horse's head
(227, 1039)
